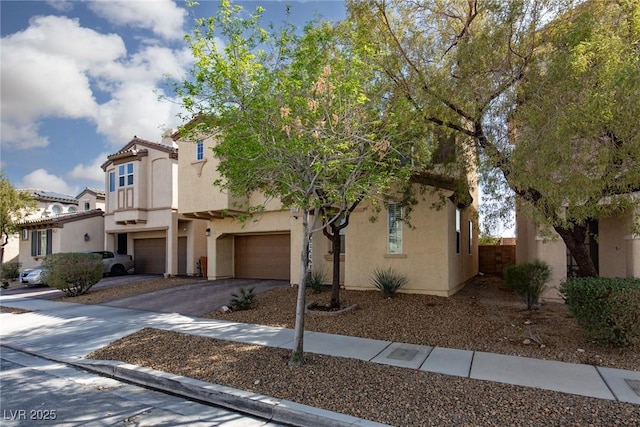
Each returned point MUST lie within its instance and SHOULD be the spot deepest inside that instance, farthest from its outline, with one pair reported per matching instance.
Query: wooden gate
(494, 259)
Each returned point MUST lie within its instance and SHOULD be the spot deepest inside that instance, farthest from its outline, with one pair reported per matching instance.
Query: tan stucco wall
(69, 238)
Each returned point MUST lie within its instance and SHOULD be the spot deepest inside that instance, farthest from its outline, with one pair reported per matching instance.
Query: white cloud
(61, 5)
(44, 73)
(91, 171)
(42, 179)
(163, 17)
(52, 68)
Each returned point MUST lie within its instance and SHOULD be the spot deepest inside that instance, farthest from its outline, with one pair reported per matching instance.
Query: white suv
(115, 264)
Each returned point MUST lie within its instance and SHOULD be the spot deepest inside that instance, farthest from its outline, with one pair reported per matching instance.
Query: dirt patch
(4, 309)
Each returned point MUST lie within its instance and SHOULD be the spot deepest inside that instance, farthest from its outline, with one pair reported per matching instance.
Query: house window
(457, 231)
(72, 209)
(25, 234)
(470, 237)
(87, 206)
(112, 182)
(199, 150)
(395, 228)
(56, 209)
(125, 175)
(41, 242)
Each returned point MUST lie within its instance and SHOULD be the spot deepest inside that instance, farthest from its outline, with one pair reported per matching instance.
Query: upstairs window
(125, 175)
(87, 206)
(199, 150)
(112, 182)
(395, 229)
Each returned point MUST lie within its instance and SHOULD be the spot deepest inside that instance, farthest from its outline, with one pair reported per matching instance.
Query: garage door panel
(262, 256)
(150, 256)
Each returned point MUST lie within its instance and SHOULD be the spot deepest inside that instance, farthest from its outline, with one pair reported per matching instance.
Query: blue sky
(81, 78)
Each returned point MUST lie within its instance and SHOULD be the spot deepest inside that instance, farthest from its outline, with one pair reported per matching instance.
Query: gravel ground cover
(484, 316)
(386, 394)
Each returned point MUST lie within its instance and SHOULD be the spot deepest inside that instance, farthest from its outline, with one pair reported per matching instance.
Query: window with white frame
(470, 237)
(395, 228)
(199, 150)
(112, 182)
(458, 231)
(125, 175)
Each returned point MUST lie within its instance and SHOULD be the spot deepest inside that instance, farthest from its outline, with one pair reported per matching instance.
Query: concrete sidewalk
(68, 332)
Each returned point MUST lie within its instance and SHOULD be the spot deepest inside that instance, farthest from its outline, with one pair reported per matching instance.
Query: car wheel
(118, 270)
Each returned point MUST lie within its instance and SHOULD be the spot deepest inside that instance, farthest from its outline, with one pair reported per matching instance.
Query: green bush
(388, 281)
(528, 280)
(316, 280)
(608, 309)
(72, 273)
(10, 270)
(243, 300)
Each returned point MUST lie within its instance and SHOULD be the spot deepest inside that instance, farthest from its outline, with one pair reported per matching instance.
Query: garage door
(150, 256)
(262, 256)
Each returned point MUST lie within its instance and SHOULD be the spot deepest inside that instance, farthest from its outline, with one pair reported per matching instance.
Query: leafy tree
(14, 207)
(301, 117)
(558, 80)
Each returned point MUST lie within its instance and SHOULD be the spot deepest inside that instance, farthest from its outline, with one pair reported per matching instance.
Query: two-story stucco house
(438, 253)
(141, 213)
(58, 225)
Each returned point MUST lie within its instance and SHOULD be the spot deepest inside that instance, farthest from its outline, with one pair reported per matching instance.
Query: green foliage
(14, 207)
(528, 280)
(243, 300)
(488, 240)
(608, 309)
(72, 273)
(316, 280)
(388, 281)
(10, 270)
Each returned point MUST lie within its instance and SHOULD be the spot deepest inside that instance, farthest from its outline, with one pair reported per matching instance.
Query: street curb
(266, 407)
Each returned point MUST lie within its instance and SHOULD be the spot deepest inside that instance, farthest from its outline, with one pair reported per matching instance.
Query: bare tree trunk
(335, 280)
(575, 238)
(297, 355)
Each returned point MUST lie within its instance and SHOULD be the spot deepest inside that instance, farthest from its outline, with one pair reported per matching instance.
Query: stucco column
(172, 247)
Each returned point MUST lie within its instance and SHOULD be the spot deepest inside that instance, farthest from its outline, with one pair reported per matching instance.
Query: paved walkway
(68, 332)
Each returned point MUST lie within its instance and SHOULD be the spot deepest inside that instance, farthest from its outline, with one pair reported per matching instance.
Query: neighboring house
(91, 198)
(614, 249)
(438, 253)
(57, 225)
(141, 210)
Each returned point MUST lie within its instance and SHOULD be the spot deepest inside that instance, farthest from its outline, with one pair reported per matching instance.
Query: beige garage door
(262, 256)
(150, 256)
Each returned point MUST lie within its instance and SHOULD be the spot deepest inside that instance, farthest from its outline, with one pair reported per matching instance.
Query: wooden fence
(493, 259)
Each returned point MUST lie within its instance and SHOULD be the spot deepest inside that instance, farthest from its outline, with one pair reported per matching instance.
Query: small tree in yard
(72, 273)
(528, 280)
(302, 118)
(14, 207)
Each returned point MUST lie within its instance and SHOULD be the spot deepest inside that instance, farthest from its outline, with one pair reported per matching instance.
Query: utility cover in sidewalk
(402, 354)
(635, 385)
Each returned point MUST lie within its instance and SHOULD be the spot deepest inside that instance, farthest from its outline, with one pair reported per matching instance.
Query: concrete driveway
(196, 299)
(192, 300)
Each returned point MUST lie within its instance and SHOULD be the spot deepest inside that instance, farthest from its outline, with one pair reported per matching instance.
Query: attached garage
(150, 255)
(265, 256)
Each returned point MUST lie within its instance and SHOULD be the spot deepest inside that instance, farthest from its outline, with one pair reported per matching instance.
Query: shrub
(10, 270)
(243, 300)
(316, 280)
(608, 309)
(388, 281)
(72, 273)
(528, 280)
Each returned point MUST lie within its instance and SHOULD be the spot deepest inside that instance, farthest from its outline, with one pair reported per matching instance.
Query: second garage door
(150, 256)
(262, 256)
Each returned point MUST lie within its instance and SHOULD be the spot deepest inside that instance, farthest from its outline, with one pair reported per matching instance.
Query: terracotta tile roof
(59, 220)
